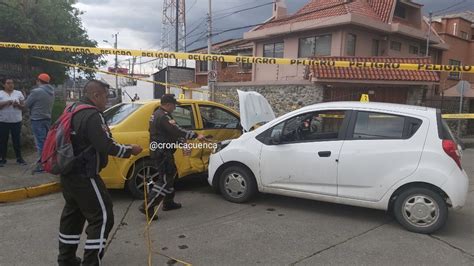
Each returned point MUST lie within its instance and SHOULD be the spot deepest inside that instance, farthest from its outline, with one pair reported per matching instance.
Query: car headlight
(221, 145)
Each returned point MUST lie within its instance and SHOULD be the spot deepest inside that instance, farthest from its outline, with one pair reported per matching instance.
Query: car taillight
(451, 149)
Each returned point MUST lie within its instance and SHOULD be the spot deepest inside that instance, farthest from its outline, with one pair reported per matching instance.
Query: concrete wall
(143, 89)
(282, 98)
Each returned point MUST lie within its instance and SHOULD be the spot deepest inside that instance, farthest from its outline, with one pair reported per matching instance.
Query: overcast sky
(139, 21)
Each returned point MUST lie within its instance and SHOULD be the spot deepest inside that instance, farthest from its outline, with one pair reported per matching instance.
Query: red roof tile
(327, 72)
(318, 9)
(383, 8)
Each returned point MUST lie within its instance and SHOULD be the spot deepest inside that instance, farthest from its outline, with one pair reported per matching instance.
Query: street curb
(29, 192)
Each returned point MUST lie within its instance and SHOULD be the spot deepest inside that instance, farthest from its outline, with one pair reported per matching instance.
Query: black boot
(169, 206)
(75, 262)
(151, 211)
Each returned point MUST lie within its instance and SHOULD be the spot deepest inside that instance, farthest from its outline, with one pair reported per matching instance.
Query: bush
(58, 108)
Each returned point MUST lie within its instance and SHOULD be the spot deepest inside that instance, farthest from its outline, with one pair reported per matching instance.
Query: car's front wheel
(144, 172)
(421, 210)
(237, 184)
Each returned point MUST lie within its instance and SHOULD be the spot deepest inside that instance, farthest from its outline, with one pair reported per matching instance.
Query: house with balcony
(354, 30)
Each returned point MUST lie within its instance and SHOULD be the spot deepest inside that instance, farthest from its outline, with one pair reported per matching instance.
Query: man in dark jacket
(83, 189)
(164, 133)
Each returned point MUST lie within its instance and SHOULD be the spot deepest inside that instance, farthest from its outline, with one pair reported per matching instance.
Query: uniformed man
(164, 132)
(83, 189)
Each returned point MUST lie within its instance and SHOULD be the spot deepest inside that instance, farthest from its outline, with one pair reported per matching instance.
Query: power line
(202, 37)
(280, 20)
(449, 7)
(242, 10)
(230, 8)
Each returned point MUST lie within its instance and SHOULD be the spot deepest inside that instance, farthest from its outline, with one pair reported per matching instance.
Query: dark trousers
(5, 130)
(163, 187)
(86, 199)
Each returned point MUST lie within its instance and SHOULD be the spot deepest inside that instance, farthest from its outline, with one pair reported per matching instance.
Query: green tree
(44, 22)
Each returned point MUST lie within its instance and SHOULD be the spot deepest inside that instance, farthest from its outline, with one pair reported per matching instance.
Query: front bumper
(215, 161)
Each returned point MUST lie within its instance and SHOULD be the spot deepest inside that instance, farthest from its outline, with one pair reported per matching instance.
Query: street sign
(212, 75)
(462, 87)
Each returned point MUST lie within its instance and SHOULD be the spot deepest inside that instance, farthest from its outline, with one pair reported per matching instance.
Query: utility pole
(177, 30)
(116, 63)
(429, 35)
(210, 84)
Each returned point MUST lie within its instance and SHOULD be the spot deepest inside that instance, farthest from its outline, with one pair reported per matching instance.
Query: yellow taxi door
(218, 121)
(187, 161)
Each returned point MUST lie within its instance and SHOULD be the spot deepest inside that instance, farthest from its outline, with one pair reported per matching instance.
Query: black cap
(168, 98)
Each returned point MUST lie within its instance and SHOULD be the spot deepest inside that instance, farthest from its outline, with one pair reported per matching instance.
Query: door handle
(324, 153)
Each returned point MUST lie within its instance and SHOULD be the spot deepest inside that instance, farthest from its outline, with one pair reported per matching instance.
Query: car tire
(143, 170)
(237, 184)
(421, 210)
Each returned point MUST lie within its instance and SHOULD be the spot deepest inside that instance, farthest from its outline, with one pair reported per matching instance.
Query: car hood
(254, 109)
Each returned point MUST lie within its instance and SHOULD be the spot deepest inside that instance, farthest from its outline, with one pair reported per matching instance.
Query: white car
(392, 157)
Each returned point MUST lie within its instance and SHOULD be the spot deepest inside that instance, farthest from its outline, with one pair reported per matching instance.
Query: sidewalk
(17, 182)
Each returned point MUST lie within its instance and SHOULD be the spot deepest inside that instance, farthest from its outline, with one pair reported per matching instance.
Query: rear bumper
(457, 188)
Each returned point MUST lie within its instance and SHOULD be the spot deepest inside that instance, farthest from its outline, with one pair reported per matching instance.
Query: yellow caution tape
(130, 77)
(237, 59)
(458, 116)
(118, 74)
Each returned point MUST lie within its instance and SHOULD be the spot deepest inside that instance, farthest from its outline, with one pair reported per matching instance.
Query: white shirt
(11, 114)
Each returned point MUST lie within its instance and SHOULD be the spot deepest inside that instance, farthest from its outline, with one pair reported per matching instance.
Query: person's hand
(201, 137)
(11, 102)
(136, 149)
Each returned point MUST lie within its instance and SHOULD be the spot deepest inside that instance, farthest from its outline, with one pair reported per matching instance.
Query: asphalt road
(272, 230)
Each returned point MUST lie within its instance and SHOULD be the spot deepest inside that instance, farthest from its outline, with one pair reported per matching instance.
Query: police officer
(83, 190)
(164, 132)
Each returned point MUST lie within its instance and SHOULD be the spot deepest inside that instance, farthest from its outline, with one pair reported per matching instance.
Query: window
(216, 117)
(183, 115)
(111, 94)
(314, 126)
(351, 44)
(117, 114)
(454, 75)
(397, 46)
(464, 35)
(315, 46)
(423, 50)
(273, 50)
(378, 126)
(413, 49)
(245, 67)
(203, 66)
(375, 47)
(400, 11)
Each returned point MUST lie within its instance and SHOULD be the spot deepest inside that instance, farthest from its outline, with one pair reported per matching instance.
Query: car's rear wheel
(421, 210)
(144, 172)
(237, 184)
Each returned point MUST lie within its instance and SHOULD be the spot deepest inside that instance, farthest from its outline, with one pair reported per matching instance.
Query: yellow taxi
(129, 123)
